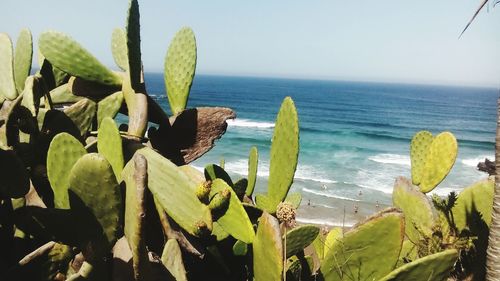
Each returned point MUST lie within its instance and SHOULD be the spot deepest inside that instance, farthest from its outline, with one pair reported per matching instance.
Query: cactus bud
(203, 190)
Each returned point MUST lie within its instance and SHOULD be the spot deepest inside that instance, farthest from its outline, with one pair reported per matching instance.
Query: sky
(387, 40)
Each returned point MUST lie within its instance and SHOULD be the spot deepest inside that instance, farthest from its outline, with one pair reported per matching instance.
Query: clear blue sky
(399, 41)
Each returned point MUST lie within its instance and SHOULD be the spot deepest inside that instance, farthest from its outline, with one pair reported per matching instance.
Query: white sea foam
(444, 191)
(327, 194)
(387, 158)
(472, 162)
(324, 222)
(249, 123)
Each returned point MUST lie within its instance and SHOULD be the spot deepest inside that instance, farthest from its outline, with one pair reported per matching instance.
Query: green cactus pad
(419, 148)
(240, 187)
(176, 193)
(15, 178)
(62, 95)
(137, 106)
(136, 178)
(82, 114)
(213, 172)
(193, 174)
(119, 48)
(56, 261)
(436, 267)
(7, 84)
(369, 251)
(268, 250)
(31, 95)
(92, 180)
(109, 145)
(172, 259)
(409, 252)
(334, 235)
(439, 161)
(253, 162)
(240, 248)
(219, 233)
(134, 44)
(64, 151)
(418, 210)
(477, 197)
(235, 220)
(66, 54)
(180, 66)
(284, 151)
(294, 199)
(263, 202)
(109, 106)
(299, 238)
(22, 58)
(219, 201)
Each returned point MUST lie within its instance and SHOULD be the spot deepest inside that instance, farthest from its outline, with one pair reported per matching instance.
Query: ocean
(354, 136)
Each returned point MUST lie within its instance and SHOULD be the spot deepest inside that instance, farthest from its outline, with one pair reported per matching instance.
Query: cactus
(66, 54)
(299, 238)
(213, 172)
(134, 45)
(419, 213)
(235, 220)
(253, 162)
(109, 145)
(7, 84)
(119, 48)
(172, 259)
(294, 199)
(419, 148)
(63, 95)
(82, 114)
(439, 161)
(477, 197)
(240, 248)
(284, 152)
(176, 193)
(180, 65)
(267, 250)
(436, 267)
(353, 256)
(32, 94)
(137, 106)
(92, 180)
(136, 177)
(64, 151)
(22, 58)
(334, 235)
(109, 106)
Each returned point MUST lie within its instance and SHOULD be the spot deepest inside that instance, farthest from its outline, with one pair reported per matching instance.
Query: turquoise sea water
(354, 136)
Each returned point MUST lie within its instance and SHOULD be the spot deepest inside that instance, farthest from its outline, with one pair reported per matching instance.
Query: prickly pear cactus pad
(268, 250)
(109, 106)
(334, 235)
(64, 151)
(93, 181)
(434, 267)
(22, 58)
(109, 145)
(284, 151)
(119, 48)
(418, 210)
(213, 172)
(299, 238)
(82, 114)
(477, 197)
(369, 251)
(419, 148)
(134, 44)
(7, 84)
(180, 65)
(294, 199)
(235, 220)
(172, 259)
(439, 161)
(176, 193)
(253, 162)
(66, 54)
(263, 202)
